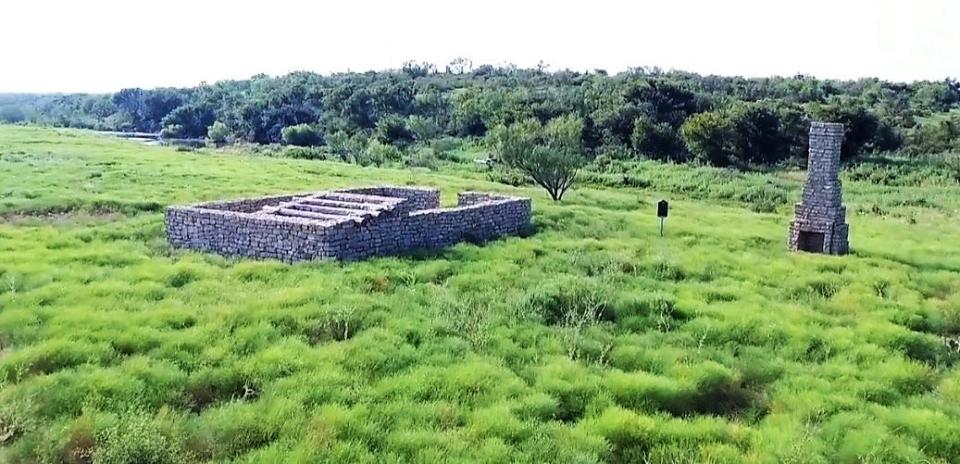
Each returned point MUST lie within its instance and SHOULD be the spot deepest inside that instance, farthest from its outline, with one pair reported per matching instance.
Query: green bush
(52, 356)
(137, 437)
(561, 301)
(172, 132)
(656, 140)
(628, 434)
(764, 199)
(422, 158)
(312, 153)
(393, 130)
(218, 133)
(235, 428)
(572, 385)
(211, 385)
(743, 134)
(505, 175)
(646, 392)
(302, 135)
(378, 154)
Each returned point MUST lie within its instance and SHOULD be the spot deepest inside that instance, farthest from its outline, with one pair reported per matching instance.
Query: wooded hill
(643, 113)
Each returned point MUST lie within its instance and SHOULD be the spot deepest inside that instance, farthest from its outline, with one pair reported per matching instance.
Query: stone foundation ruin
(344, 224)
(819, 222)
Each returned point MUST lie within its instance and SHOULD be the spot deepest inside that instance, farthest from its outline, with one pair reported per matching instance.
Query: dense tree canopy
(643, 113)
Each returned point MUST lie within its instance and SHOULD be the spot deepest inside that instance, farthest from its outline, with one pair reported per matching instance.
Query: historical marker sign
(663, 208)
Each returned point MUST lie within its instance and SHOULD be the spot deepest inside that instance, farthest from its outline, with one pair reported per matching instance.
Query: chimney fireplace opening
(810, 241)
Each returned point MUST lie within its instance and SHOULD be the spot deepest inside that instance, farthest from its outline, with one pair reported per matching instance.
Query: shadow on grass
(454, 253)
(906, 261)
(78, 211)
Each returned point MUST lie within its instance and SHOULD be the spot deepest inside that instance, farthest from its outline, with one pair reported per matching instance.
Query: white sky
(105, 45)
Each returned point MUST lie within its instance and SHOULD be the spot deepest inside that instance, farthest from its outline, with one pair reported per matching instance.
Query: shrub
(138, 437)
(817, 288)
(422, 158)
(629, 435)
(234, 428)
(859, 437)
(334, 324)
(172, 132)
(646, 311)
(423, 128)
(936, 433)
(376, 353)
(181, 277)
(572, 385)
(924, 348)
(81, 441)
(864, 131)
(218, 133)
(15, 419)
(662, 269)
(744, 134)
(566, 302)
(498, 421)
(715, 389)
(764, 198)
(393, 130)
(540, 406)
(509, 176)
(469, 318)
(212, 385)
(303, 135)
(656, 140)
(52, 356)
(648, 392)
(312, 153)
(707, 137)
(377, 154)
(445, 145)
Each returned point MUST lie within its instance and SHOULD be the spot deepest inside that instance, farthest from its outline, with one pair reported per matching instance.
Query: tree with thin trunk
(550, 154)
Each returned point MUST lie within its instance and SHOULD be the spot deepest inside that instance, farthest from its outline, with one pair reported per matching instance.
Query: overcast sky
(105, 45)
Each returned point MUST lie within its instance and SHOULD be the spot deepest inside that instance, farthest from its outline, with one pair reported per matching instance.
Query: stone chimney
(819, 222)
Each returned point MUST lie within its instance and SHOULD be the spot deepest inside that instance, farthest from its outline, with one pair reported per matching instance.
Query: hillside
(641, 113)
(592, 340)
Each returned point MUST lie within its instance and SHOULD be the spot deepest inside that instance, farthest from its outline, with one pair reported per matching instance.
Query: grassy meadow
(592, 340)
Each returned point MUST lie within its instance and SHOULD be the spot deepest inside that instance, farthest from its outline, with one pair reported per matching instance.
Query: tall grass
(593, 340)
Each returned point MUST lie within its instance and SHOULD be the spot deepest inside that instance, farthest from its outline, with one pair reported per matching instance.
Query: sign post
(663, 209)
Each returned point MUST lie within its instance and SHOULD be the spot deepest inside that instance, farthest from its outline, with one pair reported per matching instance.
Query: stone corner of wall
(826, 127)
(178, 209)
(470, 198)
(387, 187)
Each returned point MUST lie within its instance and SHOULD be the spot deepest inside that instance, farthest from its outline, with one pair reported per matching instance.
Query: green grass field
(593, 340)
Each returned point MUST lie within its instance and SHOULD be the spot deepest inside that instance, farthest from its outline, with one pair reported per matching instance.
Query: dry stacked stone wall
(819, 223)
(356, 223)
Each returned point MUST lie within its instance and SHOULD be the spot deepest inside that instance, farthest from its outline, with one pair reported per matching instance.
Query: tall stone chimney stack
(819, 222)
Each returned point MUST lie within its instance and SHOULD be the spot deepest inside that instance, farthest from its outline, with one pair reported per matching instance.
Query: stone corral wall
(235, 233)
(242, 228)
(472, 198)
(247, 205)
(819, 223)
(417, 197)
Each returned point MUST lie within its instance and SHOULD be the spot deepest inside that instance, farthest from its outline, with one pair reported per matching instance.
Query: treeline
(643, 113)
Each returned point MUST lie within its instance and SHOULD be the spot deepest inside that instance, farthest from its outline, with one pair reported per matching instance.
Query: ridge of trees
(642, 113)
